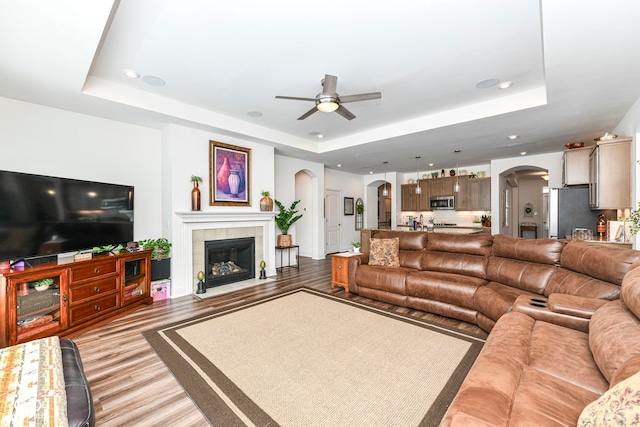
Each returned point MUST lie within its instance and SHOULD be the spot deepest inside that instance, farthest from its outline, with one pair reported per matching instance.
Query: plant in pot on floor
(284, 220)
(160, 260)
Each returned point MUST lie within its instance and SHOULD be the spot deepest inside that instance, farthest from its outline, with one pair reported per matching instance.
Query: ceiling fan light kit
(329, 101)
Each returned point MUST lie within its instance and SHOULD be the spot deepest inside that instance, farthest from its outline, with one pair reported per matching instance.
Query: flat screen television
(45, 215)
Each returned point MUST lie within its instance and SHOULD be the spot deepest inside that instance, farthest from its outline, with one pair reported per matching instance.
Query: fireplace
(229, 260)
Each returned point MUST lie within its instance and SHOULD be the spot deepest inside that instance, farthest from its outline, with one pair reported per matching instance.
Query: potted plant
(195, 193)
(356, 247)
(108, 249)
(430, 223)
(43, 284)
(266, 203)
(160, 260)
(477, 222)
(285, 219)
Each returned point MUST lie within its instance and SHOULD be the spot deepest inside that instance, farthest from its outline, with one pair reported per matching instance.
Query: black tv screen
(44, 215)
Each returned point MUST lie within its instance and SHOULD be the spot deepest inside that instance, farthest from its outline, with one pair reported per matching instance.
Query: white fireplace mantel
(183, 277)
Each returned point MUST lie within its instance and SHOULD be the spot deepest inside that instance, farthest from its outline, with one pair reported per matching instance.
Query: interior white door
(332, 221)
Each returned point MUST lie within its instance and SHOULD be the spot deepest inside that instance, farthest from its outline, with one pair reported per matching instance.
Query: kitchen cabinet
(575, 166)
(441, 186)
(409, 199)
(462, 196)
(425, 194)
(610, 174)
(479, 194)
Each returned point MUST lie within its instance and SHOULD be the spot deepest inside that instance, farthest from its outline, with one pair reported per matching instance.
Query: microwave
(442, 203)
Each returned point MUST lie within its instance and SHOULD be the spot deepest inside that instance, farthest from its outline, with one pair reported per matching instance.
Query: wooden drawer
(93, 270)
(93, 289)
(93, 308)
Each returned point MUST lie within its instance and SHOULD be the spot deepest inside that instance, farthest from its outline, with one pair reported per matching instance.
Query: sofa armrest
(354, 262)
(538, 308)
(80, 412)
(574, 305)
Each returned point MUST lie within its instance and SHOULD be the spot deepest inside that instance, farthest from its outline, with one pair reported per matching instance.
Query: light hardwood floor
(132, 387)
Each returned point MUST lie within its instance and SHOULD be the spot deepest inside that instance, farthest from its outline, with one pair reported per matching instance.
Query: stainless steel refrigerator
(569, 209)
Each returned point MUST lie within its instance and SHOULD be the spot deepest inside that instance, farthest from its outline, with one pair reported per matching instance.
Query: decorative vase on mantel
(195, 193)
(266, 203)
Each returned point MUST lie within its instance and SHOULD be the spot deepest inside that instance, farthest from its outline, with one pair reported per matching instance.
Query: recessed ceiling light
(487, 83)
(523, 153)
(505, 85)
(513, 136)
(317, 135)
(370, 172)
(339, 165)
(430, 164)
(153, 80)
(132, 74)
(254, 114)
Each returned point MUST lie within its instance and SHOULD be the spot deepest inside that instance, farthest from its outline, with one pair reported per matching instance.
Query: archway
(524, 201)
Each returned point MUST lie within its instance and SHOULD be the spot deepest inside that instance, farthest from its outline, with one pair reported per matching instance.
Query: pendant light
(418, 190)
(385, 192)
(456, 186)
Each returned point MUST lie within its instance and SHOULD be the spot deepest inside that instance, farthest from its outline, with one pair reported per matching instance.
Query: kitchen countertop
(449, 229)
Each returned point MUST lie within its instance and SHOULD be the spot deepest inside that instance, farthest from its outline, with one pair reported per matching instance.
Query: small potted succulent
(356, 247)
(43, 284)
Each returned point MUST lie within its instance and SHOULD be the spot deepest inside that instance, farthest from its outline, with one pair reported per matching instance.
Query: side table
(288, 249)
(340, 270)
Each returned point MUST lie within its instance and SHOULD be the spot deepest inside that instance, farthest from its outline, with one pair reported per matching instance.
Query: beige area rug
(304, 358)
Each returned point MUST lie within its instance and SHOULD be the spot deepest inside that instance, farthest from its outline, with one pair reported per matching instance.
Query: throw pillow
(385, 252)
(619, 406)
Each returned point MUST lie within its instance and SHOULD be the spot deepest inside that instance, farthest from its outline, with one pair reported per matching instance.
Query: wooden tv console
(80, 295)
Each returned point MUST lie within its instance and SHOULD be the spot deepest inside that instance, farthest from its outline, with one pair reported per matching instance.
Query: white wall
(48, 141)
(304, 226)
(185, 153)
(285, 171)
(350, 185)
(630, 126)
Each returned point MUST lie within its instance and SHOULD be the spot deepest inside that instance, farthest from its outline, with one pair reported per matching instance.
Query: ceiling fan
(329, 101)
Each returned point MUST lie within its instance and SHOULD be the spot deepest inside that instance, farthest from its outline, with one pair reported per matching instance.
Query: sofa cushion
(472, 244)
(390, 279)
(601, 261)
(614, 337)
(565, 281)
(495, 299)
(528, 276)
(619, 406)
(385, 252)
(630, 291)
(450, 288)
(541, 251)
(409, 240)
(445, 262)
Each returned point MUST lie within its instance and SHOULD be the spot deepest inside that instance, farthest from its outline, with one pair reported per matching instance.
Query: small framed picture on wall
(348, 205)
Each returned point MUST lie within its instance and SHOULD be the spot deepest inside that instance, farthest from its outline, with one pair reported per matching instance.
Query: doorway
(332, 221)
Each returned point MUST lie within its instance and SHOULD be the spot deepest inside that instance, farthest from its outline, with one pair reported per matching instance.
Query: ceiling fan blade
(308, 113)
(329, 84)
(345, 113)
(360, 97)
(295, 98)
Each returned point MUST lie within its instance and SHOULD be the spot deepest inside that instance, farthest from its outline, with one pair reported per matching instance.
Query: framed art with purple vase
(229, 179)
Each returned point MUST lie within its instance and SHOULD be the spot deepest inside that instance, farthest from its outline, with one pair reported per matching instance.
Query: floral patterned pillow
(619, 406)
(385, 252)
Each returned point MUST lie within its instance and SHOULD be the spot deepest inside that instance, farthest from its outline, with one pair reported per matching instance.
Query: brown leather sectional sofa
(561, 331)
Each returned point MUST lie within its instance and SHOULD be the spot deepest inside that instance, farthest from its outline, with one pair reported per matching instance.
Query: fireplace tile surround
(192, 229)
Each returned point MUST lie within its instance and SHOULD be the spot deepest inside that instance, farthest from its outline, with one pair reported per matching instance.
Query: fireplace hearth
(229, 260)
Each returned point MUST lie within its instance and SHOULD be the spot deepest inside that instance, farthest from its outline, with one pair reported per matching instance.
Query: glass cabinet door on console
(136, 278)
(37, 305)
